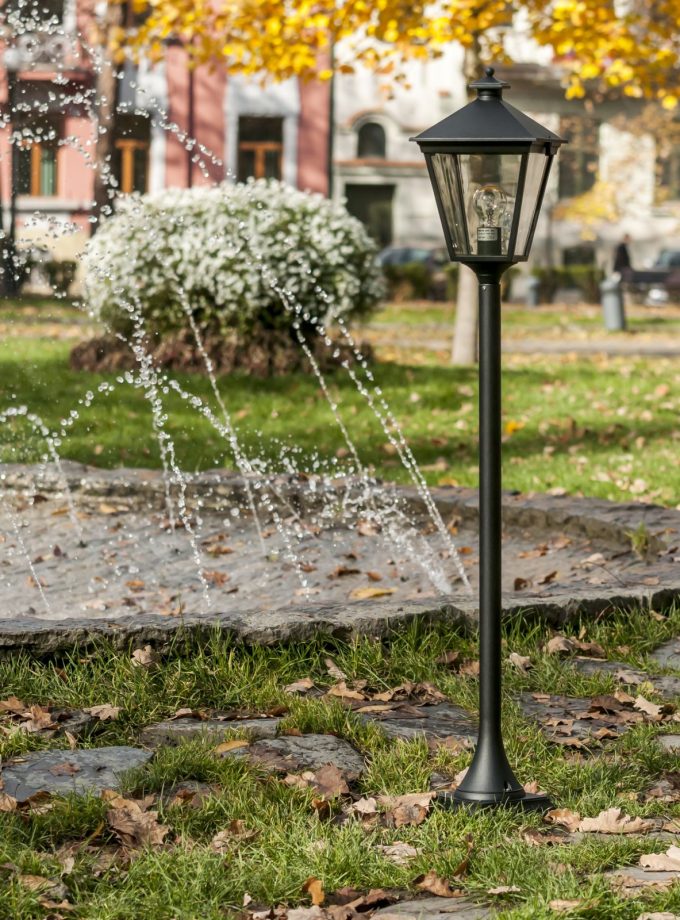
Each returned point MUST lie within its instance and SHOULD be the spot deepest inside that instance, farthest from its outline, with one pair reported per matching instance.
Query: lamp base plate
(530, 801)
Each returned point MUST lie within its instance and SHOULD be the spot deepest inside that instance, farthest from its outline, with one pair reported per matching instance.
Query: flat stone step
(666, 685)
(176, 731)
(297, 753)
(435, 909)
(668, 654)
(669, 742)
(442, 720)
(64, 772)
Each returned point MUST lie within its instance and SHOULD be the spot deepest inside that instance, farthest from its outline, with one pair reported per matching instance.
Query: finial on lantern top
(489, 87)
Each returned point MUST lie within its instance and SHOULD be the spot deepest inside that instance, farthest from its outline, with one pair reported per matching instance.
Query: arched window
(371, 142)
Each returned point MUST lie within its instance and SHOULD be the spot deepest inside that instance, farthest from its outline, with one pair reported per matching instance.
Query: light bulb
(490, 203)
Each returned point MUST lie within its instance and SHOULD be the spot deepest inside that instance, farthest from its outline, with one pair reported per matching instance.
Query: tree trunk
(106, 84)
(464, 346)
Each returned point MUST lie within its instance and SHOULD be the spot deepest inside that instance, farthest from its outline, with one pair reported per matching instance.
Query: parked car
(425, 270)
(660, 283)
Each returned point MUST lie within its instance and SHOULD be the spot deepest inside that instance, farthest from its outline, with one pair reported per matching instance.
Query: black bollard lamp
(489, 165)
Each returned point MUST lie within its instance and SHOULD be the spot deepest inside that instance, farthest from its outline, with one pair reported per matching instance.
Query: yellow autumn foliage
(634, 47)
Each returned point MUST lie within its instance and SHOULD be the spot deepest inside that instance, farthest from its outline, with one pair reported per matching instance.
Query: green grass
(185, 880)
(598, 427)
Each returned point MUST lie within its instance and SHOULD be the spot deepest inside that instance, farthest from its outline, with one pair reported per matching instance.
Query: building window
(260, 148)
(371, 142)
(35, 165)
(579, 160)
(668, 174)
(131, 153)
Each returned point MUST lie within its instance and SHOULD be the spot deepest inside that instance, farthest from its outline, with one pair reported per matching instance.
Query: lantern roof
(488, 119)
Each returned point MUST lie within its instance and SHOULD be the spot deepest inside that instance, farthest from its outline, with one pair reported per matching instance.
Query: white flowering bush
(235, 256)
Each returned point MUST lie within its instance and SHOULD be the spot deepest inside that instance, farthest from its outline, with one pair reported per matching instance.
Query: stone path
(64, 772)
(131, 574)
(315, 759)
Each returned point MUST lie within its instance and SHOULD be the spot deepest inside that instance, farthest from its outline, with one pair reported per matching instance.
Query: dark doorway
(372, 204)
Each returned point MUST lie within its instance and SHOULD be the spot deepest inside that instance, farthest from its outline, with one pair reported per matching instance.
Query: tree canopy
(631, 45)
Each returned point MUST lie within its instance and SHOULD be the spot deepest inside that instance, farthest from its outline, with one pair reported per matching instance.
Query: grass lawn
(70, 841)
(594, 426)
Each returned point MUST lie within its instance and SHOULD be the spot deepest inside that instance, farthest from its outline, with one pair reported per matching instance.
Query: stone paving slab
(668, 654)
(435, 909)
(297, 753)
(670, 742)
(443, 720)
(137, 582)
(666, 685)
(64, 772)
(175, 731)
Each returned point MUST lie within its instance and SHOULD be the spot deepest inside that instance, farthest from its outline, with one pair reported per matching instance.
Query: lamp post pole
(489, 165)
(11, 286)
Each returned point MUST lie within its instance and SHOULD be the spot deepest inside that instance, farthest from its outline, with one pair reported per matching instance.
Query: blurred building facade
(177, 127)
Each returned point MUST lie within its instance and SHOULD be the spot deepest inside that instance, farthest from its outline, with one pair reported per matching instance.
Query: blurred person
(622, 261)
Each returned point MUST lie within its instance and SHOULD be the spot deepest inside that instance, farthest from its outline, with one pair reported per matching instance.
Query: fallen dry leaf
(436, 885)
(401, 854)
(104, 713)
(563, 817)
(662, 862)
(7, 803)
(521, 662)
(330, 782)
(561, 906)
(612, 821)
(410, 809)
(144, 657)
(232, 745)
(334, 670)
(134, 826)
(314, 888)
(504, 889)
(364, 594)
(300, 686)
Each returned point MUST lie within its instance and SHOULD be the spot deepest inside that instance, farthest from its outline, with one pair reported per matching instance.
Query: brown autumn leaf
(334, 670)
(504, 889)
(237, 832)
(330, 782)
(449, 659)
(653, 710)
(374, 576)
(144, 657)
(563, 906)
(520, 584)
(300, 686)
(343, 570)
(233, 745)
(364, 807)
(134, 826)
(547, 579)
(219, 549)
(537, 838)
(410, 809)
(399, 853)
(564, 817)
(613, 821)
(39, 720)
(106, 712)
(39, 883)
(7, 803)
(436, 885)
(13, 705)
(314, 888)
(344, 692)
(368, 528)
(662, 862)
(65, 769)
(521, 662)
(364, 594)
(215, 578)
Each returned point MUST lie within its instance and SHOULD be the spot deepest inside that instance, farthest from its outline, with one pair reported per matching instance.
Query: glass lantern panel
(490, 194)
(537, 164)
(451, 195)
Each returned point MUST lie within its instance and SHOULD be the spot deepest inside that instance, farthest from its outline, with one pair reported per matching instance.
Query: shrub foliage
(236, 256)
